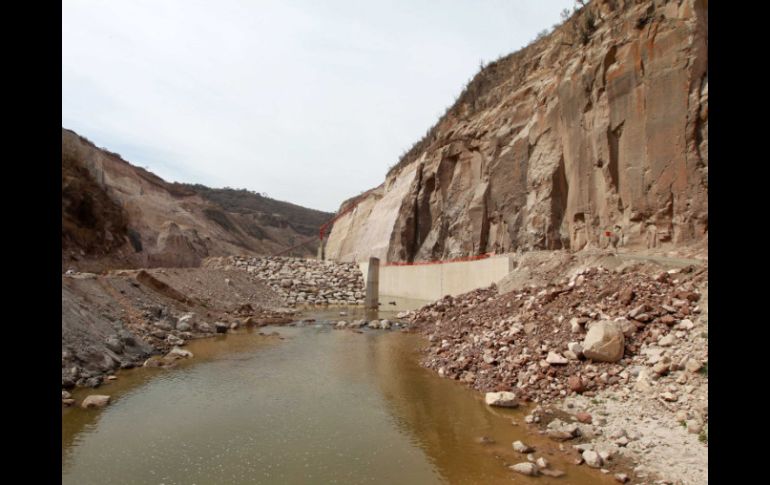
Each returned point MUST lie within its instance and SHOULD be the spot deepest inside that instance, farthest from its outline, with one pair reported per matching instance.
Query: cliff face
(600, 126)
(115, 214)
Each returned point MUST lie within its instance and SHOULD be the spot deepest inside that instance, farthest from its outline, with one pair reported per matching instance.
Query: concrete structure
(321, 249)
(433, 281)
(372, 283)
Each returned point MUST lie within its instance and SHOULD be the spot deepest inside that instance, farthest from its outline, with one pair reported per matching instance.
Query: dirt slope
(117, 215)
(120, 319)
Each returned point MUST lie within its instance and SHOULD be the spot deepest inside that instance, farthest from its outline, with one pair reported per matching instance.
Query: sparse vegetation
(266, 211)
(479, 92)
(220, 218)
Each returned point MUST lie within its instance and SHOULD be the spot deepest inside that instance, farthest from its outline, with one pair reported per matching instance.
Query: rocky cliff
(115, 214)
(592, 135)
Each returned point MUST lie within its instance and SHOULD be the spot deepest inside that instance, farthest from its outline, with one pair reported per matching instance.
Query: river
(313, 405)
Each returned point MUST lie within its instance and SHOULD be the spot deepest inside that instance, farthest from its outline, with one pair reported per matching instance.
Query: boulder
(114, 343)
(693, 365)
(95, 401)
(626, 326)
(221, 327)
(576, 384)
(174, 340)
(501, 399)
(584, 418)
(525, 468)
(575, 348)
(556, 359)
(592, 459)
(604, 342)
(521, 447)
(176, 352)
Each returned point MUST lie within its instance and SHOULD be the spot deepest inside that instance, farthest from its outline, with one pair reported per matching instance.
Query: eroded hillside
(115, 214)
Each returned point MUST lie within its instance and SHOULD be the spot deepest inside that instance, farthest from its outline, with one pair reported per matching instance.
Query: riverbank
(624, 351)
(120, 319)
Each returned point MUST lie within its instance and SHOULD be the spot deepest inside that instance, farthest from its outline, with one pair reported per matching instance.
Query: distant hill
(115, 215)
(301, 219)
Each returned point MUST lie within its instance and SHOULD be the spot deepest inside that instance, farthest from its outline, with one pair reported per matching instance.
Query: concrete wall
(433, 281)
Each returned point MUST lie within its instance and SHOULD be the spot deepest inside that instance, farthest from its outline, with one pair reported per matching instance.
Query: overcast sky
(307, 101)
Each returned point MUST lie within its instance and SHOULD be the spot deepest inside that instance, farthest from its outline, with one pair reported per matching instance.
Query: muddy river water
(313, 406)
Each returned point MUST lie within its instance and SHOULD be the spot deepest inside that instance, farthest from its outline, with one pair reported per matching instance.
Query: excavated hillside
(117, 215)
(594, 134)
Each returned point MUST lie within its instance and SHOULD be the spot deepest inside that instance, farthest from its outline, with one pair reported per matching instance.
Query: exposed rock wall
(600, 126)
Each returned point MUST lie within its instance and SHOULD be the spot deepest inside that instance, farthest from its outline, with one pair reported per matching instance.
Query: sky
(305, 101)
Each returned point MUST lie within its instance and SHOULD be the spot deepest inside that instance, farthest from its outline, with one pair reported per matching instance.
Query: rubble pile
(302, 281)
(582, 334)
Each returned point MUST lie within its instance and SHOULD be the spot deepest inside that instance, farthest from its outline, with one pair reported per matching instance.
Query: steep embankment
(115, 214)
(600, 126)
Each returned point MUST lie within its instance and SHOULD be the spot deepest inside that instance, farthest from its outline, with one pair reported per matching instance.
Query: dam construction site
(523, 299)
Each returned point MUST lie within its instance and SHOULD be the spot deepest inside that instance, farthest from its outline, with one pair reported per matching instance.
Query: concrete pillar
(373, 284)
(321, 248)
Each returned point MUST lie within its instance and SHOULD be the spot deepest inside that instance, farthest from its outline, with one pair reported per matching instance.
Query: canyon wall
(593, 135)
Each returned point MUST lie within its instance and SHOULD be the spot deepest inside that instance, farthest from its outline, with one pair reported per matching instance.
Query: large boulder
(95, 401)
(525, 468)
(177, 353)
(592, 459)
(604, 342)
(521, 447)
(501, 399)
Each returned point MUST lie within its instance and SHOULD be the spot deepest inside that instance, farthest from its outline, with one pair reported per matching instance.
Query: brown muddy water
(317, 406)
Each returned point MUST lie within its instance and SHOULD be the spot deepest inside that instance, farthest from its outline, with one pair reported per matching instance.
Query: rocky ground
(302, 281)
(616, 358)
(121, 319)
(129, 318)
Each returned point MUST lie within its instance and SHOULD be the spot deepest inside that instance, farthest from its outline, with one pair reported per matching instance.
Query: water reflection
(447, 420)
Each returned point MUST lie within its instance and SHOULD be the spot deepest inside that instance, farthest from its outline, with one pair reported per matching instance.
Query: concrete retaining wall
(433, 281)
